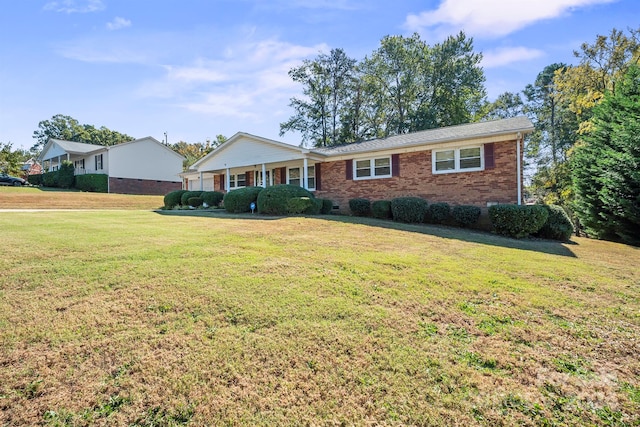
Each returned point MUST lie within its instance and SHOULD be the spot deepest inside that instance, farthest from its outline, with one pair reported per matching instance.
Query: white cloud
(508, 55)
(490, 18)
(248, 80)
(73, 6)
(118, 23)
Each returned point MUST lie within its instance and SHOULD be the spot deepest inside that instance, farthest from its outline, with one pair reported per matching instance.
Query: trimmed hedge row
(409, 209)
(558, 226)
(518, 220)
(274, 200)
(93, 182)
(35, 179)
(360, 206)
(239, 201)
(466, 216)
(212, 198)
(381, 209)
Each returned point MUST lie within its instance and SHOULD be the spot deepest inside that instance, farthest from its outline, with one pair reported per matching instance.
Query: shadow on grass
(467, 235)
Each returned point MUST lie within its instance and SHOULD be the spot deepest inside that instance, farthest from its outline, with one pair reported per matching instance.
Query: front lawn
(139, 318)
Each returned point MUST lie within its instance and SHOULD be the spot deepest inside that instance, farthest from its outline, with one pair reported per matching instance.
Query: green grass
(141, 318)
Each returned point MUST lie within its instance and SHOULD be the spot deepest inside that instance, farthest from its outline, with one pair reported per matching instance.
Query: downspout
(519, 167)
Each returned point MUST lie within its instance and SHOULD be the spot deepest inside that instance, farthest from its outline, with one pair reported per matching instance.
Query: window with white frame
(98, 159)
(294, 176)
(372, 168)
(465, 159)
(237, 180)
(311, 177)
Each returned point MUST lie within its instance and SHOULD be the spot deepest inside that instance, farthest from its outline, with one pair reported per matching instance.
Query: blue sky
(198, 68)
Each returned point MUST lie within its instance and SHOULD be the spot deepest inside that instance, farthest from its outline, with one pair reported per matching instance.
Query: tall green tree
(602, 64)
(506, 105)
(606, 165)
(555, 133)
(193, 152)
(452, 88)
(11, 160)
(325, 81)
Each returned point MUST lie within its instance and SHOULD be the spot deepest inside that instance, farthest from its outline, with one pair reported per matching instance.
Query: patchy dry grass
(137, 318)
(47, 198)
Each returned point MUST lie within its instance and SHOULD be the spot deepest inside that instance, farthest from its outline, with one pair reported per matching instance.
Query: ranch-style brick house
(476, 164)
(141, 166)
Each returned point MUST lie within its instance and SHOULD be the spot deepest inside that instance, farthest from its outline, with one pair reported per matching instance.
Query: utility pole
(166, 141)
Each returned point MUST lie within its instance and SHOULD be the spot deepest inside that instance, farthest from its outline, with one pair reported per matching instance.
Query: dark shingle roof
(434, 136)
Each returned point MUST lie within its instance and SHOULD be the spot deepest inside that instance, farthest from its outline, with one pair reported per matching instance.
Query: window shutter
(395, 165)
(96, 162)
(349, 169)
(222, 181)
(489, 158)
(283, 175)
(248, 178)
(318, 177)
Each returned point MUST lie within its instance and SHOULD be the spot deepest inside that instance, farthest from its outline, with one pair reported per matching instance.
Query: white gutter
(519, 167)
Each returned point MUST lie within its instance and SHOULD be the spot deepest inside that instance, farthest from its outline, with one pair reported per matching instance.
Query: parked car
(11, 180)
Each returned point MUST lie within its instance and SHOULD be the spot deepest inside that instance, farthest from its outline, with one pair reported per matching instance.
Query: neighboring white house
(142, 166)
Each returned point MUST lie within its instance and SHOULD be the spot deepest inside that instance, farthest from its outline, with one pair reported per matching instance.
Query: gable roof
(243, 136)
(434, 136)
(72, 147)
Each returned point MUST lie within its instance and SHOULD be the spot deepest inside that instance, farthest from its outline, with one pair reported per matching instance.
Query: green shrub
(94, 182)
(465, 215)
(327, 206)
(360, 206)
(195, 202)
(50, 179)
(438, 213)
(173, 198)
(517, 221)
(381, 209)
(558, 225)
(299, 205)
(66, 174)
(273, 200)
(239, 201)
(35, 179)
(212, 198)
(409, 209)
(184, 198)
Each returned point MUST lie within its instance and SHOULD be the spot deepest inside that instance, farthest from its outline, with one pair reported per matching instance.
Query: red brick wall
(416, 179)
(142, 186)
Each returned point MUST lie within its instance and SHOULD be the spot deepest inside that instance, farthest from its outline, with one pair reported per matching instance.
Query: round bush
(327, 206)
(212, 198)
(299, 205)
(195, 202)
(172, 199)
(184, 199)
(516, 220)
(438, 213)
(360, 207)
(381, 209)
(409, 209)
(558, 225)
(273, 200)
(465, 215)
(239, 201)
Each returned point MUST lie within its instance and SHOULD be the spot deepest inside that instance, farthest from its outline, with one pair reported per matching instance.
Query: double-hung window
(98, 159)
(466, 159)
(237, 180)
(372, 168)
(294, 177)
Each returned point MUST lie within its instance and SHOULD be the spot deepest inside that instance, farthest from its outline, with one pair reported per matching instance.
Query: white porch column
(305, 172)
(59, 162)
(519, 166)
(227, 180)
(201, 178)
(264, 175)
